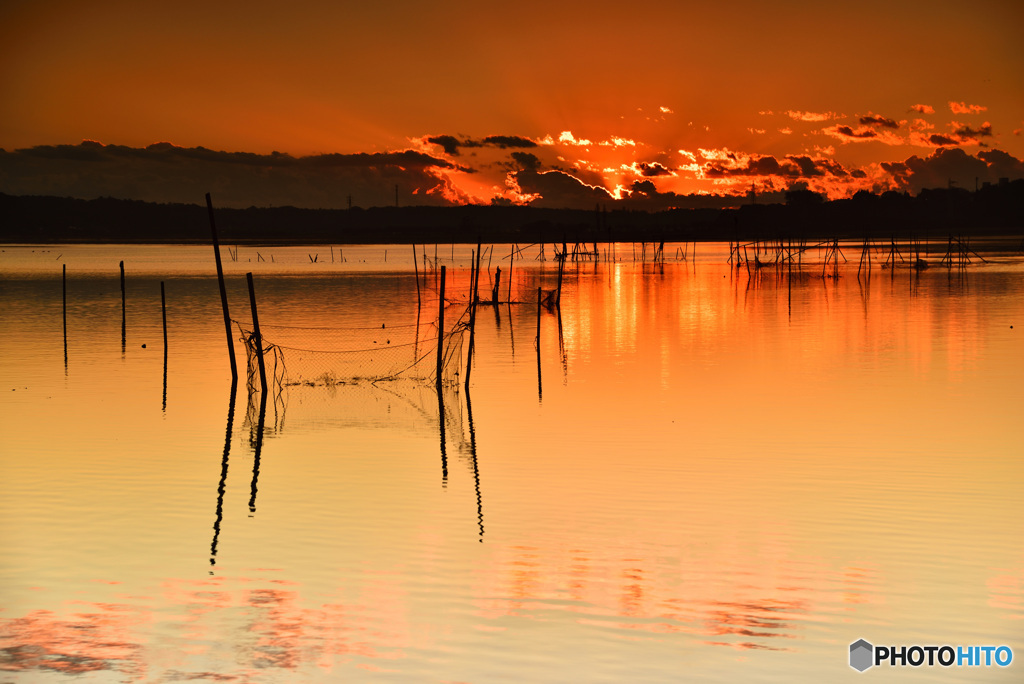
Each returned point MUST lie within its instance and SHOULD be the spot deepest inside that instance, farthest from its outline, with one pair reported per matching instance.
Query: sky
(316, 103)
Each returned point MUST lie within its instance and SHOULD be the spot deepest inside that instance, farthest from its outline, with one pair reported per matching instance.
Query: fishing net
(329, 356)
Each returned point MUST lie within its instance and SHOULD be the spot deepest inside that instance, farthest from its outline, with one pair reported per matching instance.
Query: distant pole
(473, 297)
(511, 264)
(558, 294)
(415, 265)
(256, 333)
(163, 313)
(123, 327)
(223, 290)
(64, 292)
(537, 343)
(472, 330)
(440, 333)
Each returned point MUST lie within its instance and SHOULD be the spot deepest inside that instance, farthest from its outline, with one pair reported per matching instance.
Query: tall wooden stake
(223, 291)
(537, 344)
(64, 292)
(440, 384)
(123, 327)
(558, 294)
(163, 313)
(415, 265)
(473, 297)
(256, 332)
(440, 335)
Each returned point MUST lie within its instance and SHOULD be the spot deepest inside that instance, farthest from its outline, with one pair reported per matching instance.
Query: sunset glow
(558, 124)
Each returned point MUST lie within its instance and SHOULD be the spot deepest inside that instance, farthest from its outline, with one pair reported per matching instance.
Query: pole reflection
(223, 475)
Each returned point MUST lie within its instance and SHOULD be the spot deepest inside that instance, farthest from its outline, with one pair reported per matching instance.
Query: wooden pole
(64, 293)
(473, 297)
(163, 314)
(440, 371)
(511, 265)
(558, 294)
(256, 333)
(123, 327)
(440, 335)
(416, 266)
(537, 344)
(497, 283)
(223, 290)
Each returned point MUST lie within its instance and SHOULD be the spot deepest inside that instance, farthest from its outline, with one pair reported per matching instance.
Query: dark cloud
(165, 173)
(526, 161)
(643, 195)
(875, 120)
(850, 133)
(940, 140)
(790, 167)
(807, 166)
(653, 170)
(1002, 164)
(966, 132)
(451, 145)
(953, 164)
(507, 141)
(559, 190)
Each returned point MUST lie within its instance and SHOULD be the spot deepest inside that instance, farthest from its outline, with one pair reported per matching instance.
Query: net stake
(256, 334)
(223, 290)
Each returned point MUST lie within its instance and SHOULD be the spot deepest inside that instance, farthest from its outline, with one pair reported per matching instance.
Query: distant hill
(992, 210)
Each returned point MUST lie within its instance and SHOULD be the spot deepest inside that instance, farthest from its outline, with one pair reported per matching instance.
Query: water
(714, 475)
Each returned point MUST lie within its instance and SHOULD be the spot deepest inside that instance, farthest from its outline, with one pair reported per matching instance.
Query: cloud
(166, 173)
(653, 169)
(960, 134)
(811, 116)
(848, 134)
(953, 164)
(1002, 164)
(964, 108)
(875, 120)
(923, 109)
(936, 139)
(526, 161)
(968, 133)
(567, 138)
(507, 141)
(451, 145)
(556, 189)
(792, 166)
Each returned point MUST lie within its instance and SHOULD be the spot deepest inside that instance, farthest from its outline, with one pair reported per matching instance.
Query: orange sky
(708, 98)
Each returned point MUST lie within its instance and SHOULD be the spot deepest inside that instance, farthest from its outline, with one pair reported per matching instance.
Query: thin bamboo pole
(123, 319)
(64, 294)
(440, 336)
(256, 333)
(223, 290)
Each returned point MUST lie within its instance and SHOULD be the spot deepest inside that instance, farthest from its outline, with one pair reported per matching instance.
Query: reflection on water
(734, 475)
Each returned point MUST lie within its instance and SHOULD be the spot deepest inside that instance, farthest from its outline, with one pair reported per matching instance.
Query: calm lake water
(709, 475)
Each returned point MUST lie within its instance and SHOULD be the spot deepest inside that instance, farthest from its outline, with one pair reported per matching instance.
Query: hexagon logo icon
(861, 655)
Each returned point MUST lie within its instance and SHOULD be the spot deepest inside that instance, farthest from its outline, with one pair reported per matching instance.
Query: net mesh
(327, 356)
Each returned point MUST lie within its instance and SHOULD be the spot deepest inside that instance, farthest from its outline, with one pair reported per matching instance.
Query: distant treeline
(992, 210)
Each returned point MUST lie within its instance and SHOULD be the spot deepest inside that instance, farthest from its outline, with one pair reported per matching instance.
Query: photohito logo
(863, 656)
